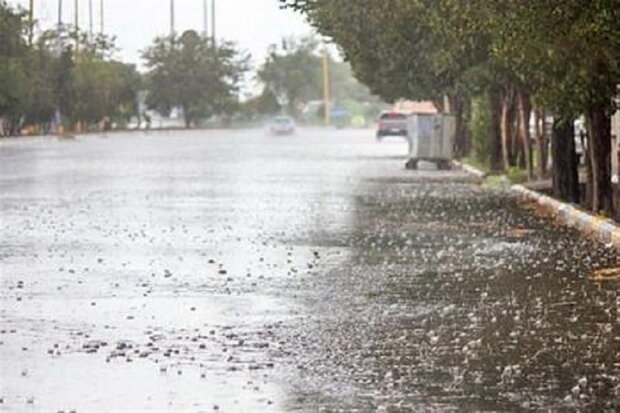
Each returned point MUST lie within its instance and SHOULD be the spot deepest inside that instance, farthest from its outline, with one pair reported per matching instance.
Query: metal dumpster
(431, 138)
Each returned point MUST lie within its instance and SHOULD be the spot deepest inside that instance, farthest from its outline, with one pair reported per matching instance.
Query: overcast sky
(253, 24)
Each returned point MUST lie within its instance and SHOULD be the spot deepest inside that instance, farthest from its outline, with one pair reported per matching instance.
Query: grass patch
(476, 163)
(516, 175)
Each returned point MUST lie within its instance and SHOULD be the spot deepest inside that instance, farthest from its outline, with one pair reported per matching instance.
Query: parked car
(282, 125)
(391, 123)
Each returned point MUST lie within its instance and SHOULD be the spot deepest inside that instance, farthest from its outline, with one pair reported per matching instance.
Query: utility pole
(171, 17)
(205, 18)
(59, 29)
(326, 88)
(76, 18)
(102, 29)
(58, 116)
(90, 19)
(213, 20)
(31, 22)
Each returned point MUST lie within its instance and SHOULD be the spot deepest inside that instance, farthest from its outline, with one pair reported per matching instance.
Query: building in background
(410, 106)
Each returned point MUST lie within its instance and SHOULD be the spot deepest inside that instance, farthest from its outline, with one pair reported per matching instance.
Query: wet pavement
(234, 271)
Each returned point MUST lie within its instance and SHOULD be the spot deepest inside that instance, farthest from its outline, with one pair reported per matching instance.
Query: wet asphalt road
(234, 271)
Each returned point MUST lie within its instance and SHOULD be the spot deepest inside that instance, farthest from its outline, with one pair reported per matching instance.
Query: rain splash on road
(234, 271)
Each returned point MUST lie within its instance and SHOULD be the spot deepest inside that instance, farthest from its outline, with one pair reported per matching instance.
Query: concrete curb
(602, 229)
(470, 169)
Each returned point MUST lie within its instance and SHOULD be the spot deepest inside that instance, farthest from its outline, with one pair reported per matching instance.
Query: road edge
(603, 229)
(470, 169)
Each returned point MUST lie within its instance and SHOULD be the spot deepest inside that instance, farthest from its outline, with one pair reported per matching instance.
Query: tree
(569, 54)
(404, 49)
(292, 73)
(345, 86)
(65, 70)
(105, 90)
(194, 74)
(13, 52)
(264, 104)
(563, 55)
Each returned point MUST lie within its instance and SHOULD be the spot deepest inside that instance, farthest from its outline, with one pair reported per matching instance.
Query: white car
(282, 125)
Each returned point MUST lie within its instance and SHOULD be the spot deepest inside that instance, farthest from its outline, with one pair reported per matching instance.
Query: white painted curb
(470, 169)
(603, 229)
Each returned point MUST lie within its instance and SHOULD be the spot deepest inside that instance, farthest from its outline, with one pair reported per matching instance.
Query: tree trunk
(187, 117)
(495, 134)
(565, 165)
(517, 144)
(542, 142)
(439, 104)
(465, 126)
(506, 128)
(615, 151)
(524, 109)
(456, 109)
(587, 160)
(599, 134)
(537, 139)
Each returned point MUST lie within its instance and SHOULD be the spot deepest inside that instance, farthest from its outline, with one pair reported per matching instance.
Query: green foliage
(480, 126)
(566, 51)
(112, 86)
(401, 48)
(293, 73)
(194, 74)
(265, 104)
(13, 51)
(516, 175)
(39, 99)
(565, 54)
(63, 70)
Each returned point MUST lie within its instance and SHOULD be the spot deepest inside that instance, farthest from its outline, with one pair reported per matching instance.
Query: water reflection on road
(243, 272)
